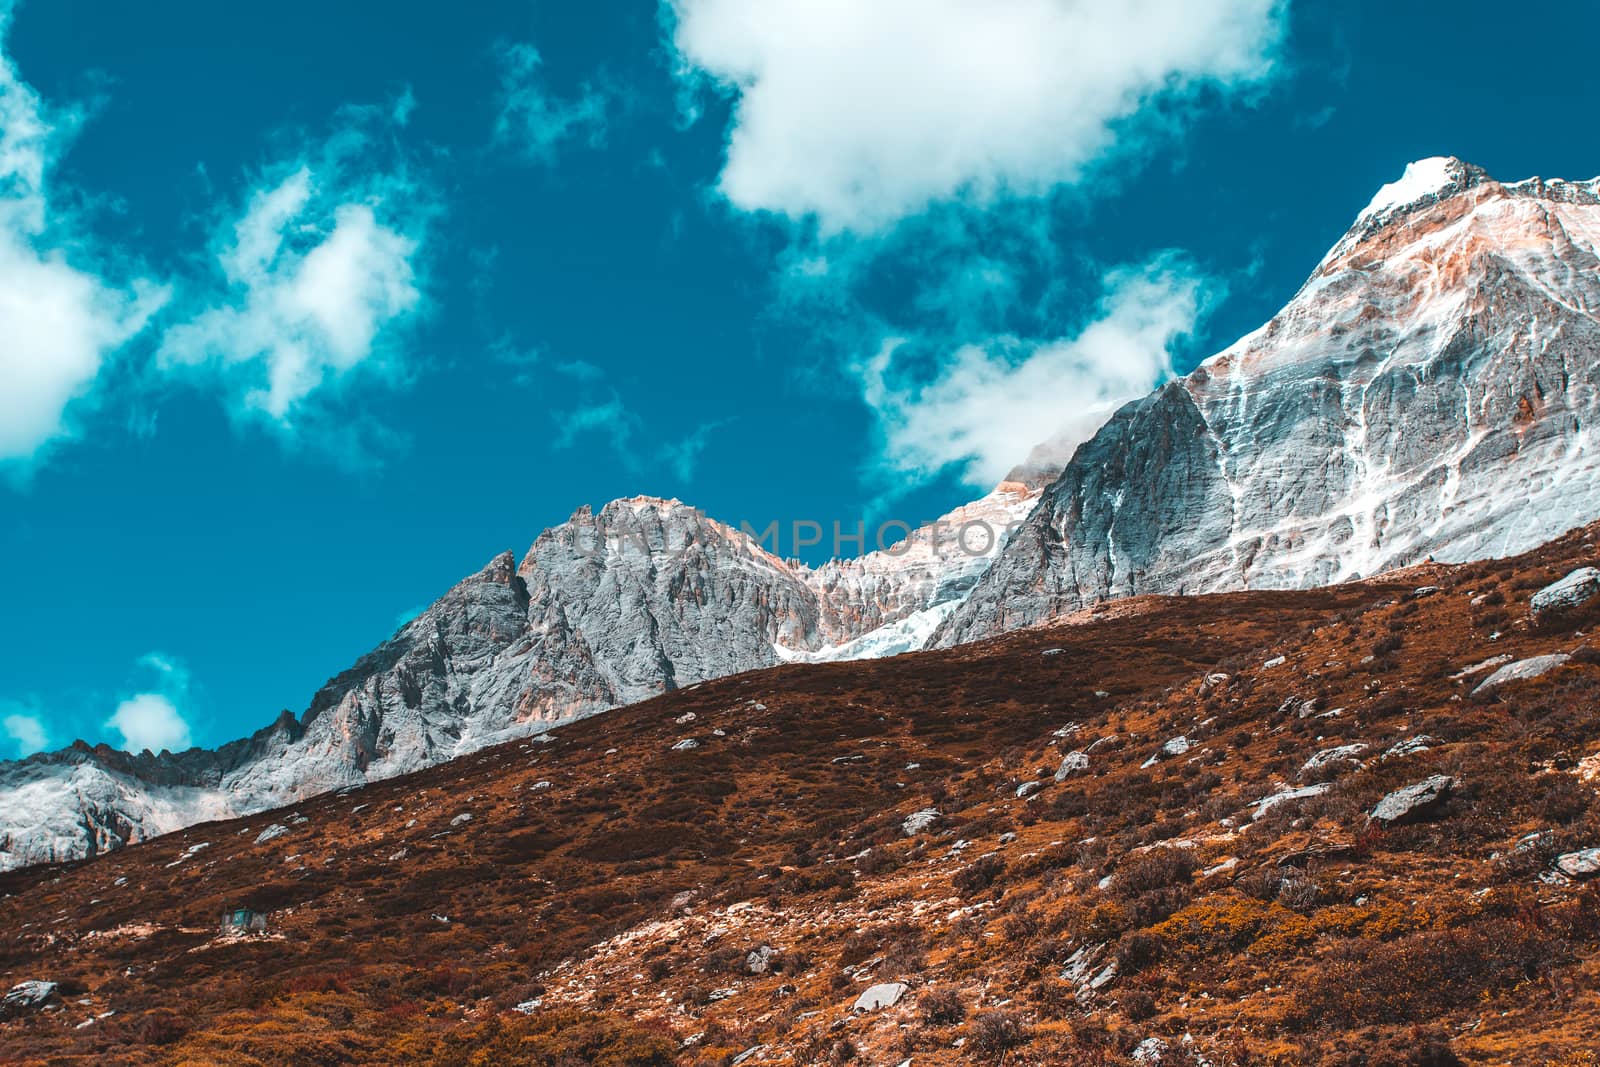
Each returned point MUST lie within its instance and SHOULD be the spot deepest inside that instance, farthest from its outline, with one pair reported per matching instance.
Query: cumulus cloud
(533, 119)
(60, 320)
(153, 720)
(26, 731)
(860, 114)
(314, 277)
(988, 405)
(150, 722)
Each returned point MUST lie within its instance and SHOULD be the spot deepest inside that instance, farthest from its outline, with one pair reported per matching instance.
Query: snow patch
(1424, 178)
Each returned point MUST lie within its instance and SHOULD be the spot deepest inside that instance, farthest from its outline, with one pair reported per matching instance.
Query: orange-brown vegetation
(613, 900)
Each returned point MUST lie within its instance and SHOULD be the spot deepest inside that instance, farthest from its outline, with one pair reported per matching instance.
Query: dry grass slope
(645, 904)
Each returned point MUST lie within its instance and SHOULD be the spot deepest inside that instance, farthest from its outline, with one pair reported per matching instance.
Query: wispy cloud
(314, 280)
(535, 121)
(621, 431)
(62, 318)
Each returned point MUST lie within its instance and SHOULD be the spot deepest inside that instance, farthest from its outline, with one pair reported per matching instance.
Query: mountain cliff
(1430, 391)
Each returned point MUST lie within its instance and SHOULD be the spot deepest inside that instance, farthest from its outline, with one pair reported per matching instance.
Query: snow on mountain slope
(1432, 390)
(607, 609)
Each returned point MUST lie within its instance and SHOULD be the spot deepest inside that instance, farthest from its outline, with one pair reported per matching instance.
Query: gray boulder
(1573, 591)
(1522, 670)
(26, 997)
(1415, 802)
(1072, 763)
(1585, 863)
(878, 997)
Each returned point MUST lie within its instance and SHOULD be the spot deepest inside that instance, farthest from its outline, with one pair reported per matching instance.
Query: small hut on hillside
(244, 921)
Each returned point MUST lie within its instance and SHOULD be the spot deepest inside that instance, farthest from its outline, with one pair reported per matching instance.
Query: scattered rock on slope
(1585, 863)
(1573, 591)
(26, 997)
(878, 997)
(1522, 670)
(1414, 802)
(1071, 764)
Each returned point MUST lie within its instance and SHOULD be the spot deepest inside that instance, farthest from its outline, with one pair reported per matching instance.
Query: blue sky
(308, 310)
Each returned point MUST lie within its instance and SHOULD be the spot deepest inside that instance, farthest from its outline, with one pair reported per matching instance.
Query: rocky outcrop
(1431, 391)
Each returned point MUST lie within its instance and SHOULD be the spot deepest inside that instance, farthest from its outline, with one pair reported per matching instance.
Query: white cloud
(990, 404)
(535, 120)
(316, 274)
(859, 114)
(59, 321)
(27, 733)
(153, 720)
(150, 721)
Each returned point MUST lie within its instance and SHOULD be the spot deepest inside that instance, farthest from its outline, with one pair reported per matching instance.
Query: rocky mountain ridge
(1432, 390)
(612, 607)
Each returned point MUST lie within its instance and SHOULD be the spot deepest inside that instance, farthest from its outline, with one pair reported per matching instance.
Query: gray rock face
(1573, 591)
(1431, 391)
(1414, 803)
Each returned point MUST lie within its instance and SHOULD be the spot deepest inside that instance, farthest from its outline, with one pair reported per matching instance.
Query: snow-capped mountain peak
(1431, 390)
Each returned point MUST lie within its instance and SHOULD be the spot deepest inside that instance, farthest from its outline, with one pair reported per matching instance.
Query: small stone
(918, 821)
(1028, 789)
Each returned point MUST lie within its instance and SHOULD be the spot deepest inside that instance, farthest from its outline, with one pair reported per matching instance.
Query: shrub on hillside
(552, 1038)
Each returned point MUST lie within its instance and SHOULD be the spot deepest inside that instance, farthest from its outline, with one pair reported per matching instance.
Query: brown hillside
(647, 904)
